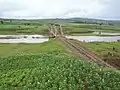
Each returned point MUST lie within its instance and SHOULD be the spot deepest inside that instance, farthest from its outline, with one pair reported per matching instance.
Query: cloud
(112, 10)
(107, 9)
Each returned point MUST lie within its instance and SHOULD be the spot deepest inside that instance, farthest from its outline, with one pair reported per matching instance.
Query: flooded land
(23, 39)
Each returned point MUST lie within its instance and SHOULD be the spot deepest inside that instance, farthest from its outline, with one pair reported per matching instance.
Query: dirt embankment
(113, 59)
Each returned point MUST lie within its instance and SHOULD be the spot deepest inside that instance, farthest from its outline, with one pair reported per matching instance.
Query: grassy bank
(104, 47)
(50, 46)
(108, 51)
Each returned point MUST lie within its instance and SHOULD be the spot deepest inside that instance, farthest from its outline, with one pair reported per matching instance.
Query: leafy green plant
(54, 72)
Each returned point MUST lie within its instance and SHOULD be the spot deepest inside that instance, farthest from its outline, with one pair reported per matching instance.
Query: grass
(15, 26)
(54, 71)
(23, 29)
(88, 29)
(104, 47)
(51, 46)
(68, 28)
(108, 51)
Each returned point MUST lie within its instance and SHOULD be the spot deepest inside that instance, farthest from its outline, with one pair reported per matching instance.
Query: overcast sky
(105, 9)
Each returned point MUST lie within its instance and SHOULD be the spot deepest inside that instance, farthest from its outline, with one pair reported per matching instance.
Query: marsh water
(23, 39)
(95, 38)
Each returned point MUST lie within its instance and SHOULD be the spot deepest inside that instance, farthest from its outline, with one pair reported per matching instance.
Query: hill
(75, 20)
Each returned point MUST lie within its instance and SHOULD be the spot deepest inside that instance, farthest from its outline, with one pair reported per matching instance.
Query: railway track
(81, 51)
(84, 52)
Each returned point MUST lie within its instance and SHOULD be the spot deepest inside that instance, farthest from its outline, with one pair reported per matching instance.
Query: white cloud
(58, 8)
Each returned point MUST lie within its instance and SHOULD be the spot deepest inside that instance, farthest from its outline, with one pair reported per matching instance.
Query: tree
(10, 20)
(1, 22)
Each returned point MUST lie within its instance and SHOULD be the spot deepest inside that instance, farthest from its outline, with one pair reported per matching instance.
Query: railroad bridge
(55, 30)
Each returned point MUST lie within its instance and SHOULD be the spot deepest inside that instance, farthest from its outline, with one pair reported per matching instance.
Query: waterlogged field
(54, 72)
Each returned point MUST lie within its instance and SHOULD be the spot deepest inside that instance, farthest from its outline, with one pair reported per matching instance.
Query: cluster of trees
(100, 23)
(1, 22)
(4, 21)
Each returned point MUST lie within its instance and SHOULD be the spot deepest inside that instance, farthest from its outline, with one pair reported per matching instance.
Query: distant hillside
(75, 20)
(83, 20)
(93, 21)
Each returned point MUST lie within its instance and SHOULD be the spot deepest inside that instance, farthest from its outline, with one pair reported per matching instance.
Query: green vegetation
(51, 46)
(51, 65)
(108, 51)
(88, 29)
(39, 27)
(54, 71)
(104, 47)
(23, 29)
(14, 26)
(70, 26)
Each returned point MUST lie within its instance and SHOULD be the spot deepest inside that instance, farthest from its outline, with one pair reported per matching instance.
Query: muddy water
(95, 38)
(23, 39)
(41, 39)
